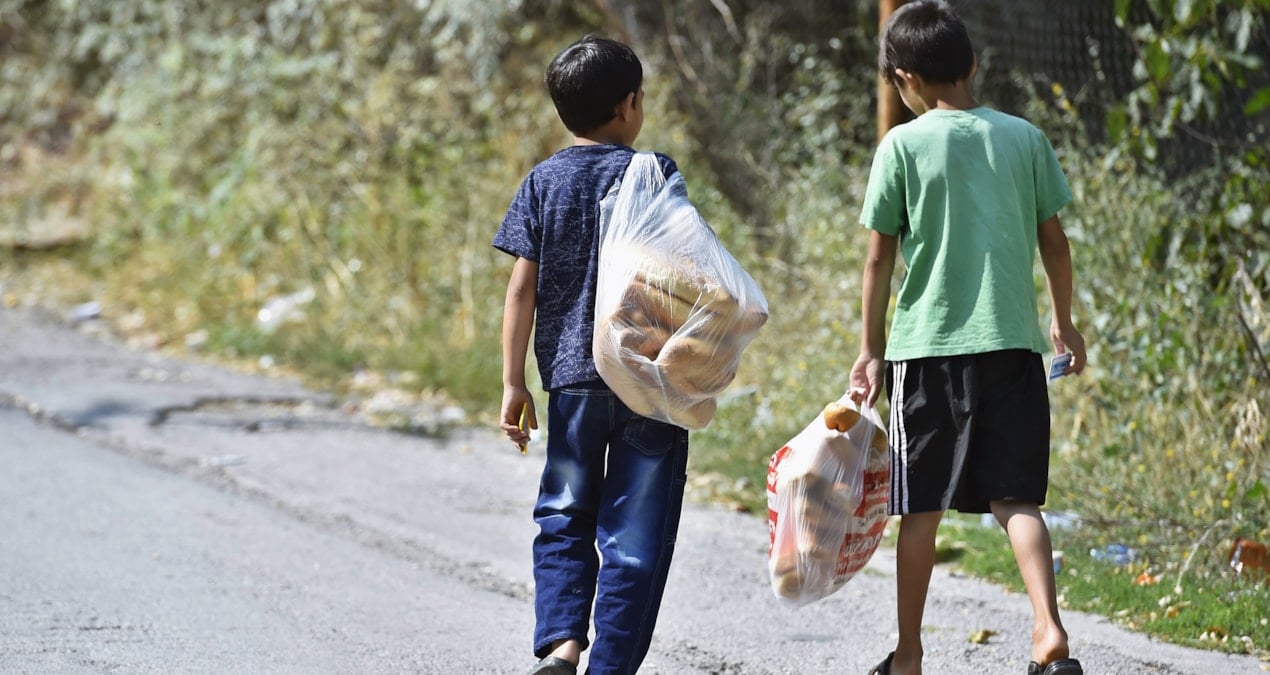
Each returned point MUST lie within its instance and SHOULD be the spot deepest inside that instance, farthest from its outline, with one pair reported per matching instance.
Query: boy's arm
(1056, 257)
(518, 323)
(869, 368)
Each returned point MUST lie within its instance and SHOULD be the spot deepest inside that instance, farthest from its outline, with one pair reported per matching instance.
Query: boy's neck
(614, 132)
(956, 96)
(595, 139)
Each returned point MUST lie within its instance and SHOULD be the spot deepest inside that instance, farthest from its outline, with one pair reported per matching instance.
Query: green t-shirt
(964, 190)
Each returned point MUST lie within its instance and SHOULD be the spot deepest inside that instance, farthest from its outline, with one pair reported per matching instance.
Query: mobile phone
(1058, 364)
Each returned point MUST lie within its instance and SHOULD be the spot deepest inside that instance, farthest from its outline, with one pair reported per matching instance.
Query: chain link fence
(1073, 53)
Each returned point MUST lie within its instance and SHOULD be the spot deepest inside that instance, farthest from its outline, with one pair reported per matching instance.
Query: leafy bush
(246, 151)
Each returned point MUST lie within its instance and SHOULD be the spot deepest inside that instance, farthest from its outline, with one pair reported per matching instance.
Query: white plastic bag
(673, 309)
(826, 502)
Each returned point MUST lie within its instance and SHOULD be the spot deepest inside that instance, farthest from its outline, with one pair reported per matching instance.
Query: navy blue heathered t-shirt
(554, 220)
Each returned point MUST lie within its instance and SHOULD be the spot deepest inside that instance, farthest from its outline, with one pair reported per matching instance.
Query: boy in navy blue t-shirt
(612, 478)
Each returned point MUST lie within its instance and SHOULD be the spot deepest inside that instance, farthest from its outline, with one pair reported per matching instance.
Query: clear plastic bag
(827, 490)
(673, 309)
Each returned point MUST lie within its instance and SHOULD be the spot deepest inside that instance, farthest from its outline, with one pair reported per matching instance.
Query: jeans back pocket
(652, 437)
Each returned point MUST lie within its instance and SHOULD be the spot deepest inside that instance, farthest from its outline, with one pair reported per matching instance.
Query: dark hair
(589, 78)
(927, 38)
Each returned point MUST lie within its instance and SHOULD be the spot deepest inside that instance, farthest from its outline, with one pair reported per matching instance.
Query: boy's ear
(910, 80)
(625, 107)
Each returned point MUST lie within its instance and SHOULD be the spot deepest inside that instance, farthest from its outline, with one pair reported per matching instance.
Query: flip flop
(554, 665)
(883, 668)
(1059, 667)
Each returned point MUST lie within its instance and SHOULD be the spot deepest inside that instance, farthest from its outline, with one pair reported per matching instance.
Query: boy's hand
(515, 400)
(1068, 339)
(866, 379)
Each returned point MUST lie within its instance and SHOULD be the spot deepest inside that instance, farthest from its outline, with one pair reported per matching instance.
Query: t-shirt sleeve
(668, 166)
(520, 234)
(885, 207)
(1052, 191)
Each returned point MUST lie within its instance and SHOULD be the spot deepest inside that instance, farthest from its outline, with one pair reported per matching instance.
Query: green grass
(1207, 607)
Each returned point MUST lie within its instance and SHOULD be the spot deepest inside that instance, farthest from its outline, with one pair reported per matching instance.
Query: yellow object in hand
(523, 424)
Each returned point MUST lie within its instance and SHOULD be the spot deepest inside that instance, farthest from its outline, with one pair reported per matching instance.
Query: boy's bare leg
(915, 558)
(1033, 552)
(569, 650)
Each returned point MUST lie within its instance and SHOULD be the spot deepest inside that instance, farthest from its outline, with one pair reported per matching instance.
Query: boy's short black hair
(589, 78)
(926, 37)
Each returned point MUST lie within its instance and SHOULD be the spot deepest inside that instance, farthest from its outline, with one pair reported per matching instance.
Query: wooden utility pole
(890, 107)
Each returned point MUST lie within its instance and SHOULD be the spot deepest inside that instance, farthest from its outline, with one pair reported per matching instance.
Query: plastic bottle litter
(1116, 554)
(86, 311)
(283, 309)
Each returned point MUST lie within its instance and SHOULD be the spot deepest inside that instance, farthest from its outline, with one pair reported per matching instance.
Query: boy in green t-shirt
(968, 194)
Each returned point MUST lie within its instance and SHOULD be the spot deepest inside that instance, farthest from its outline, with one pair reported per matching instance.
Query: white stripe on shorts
(899, 440)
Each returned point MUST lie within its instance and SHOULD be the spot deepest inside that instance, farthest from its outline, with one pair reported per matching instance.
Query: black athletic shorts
(967, 430)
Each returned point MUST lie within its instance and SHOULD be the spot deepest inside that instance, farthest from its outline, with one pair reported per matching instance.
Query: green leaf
(1245, 30)
(1257, 491)
(1157, 61)
(1122, 12)
(1182, 10)
(1259, 102)
(1117, 122)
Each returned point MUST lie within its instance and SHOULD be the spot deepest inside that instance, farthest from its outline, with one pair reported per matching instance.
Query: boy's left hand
(1067, 339)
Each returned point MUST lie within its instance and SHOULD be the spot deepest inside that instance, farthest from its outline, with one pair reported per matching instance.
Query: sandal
(1059, 667)
(883, 668)
(554, 665)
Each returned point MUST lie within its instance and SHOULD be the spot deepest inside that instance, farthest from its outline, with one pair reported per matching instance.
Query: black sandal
(1059, 667)
(552, 665)
(884, 668)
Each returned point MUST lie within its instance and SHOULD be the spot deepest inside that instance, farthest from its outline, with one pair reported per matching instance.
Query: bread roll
(820, 546)
(639, 396)
(750, 322)
(678, 277)
(633, 311)
(789, 584)
(645, 342)
(639, 310)
(718, 301)
(668, 304)
(840, 417)
(879, 442)
(819, 510)
(784, 558)
(696, 416)
(696, 367)
(821, 524)
(807, 485)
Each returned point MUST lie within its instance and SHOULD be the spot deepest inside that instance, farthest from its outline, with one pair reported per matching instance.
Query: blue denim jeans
(613, 480)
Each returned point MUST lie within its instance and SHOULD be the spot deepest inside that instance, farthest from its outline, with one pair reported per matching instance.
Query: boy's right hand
(514, 401)
(866, 379)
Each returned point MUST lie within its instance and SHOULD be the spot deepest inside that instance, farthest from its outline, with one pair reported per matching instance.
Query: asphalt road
(164, 515)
